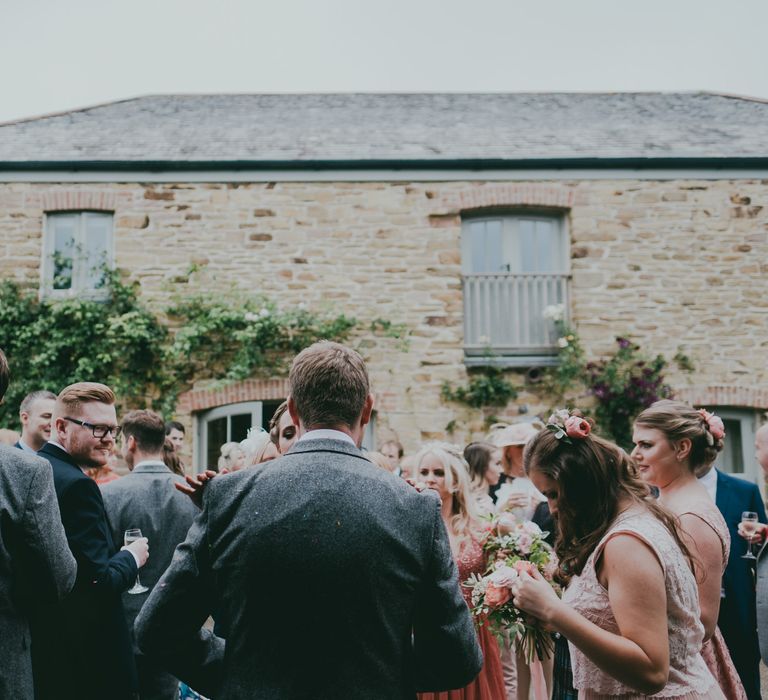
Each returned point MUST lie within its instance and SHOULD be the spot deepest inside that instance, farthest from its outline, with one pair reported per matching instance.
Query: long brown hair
(593, 476)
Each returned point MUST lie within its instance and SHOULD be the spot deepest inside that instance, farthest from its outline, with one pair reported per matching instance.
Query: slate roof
(434, 130)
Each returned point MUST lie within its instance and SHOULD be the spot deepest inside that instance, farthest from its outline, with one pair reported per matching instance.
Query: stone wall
(673, 265)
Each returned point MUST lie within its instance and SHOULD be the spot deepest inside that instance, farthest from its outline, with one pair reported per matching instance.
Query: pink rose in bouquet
(496, 596)
(522, 565)
(524, 542)
(498, 590)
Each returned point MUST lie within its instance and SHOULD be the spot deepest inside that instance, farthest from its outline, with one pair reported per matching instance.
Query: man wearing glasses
(81, 646)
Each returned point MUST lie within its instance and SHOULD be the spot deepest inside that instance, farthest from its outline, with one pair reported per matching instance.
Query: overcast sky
(58, 55)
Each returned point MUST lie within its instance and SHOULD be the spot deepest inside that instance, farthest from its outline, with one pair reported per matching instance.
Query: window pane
(63, 249)
(493, 257)
(216, 436)
(96, 249)
(546, 247)
(731, 459)
(239, 427)
(527, 233)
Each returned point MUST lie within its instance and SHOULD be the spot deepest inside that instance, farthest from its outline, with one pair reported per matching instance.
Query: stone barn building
(460, 216)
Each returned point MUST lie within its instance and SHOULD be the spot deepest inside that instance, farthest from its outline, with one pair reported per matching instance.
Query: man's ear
(24, 417)
(365, 416)
(60, 426)
(130, 443)
(293, 412)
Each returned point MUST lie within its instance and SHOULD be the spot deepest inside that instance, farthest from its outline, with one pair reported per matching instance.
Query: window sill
(511, 361)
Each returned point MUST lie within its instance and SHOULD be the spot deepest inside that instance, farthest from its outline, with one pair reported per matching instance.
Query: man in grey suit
(35, 562)
(334, 577)
(146, 499)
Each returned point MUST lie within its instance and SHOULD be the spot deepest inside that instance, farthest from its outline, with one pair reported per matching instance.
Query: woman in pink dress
(441, 467)
(630, 607)
(673, 441)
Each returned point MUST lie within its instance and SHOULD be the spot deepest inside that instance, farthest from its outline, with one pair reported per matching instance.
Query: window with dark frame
(514, 266)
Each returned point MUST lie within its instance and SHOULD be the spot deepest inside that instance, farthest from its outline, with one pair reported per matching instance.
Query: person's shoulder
(228, 486)
(119, 485)
(21, 464)
(734, 482)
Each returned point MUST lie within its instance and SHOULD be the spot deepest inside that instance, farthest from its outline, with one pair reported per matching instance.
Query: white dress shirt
(326, 434)
(709, 481)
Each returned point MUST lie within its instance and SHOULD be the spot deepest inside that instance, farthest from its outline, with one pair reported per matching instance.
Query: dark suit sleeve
(447, 654)
(169, 626)
(85, 522)
(48, 565)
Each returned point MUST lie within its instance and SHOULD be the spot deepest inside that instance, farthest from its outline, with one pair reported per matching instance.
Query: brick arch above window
(197, 400)
(724, 395)
(78, 200)
(508, 195)
(237, 392)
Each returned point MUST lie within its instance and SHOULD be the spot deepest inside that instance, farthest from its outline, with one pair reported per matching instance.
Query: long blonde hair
(464, 520)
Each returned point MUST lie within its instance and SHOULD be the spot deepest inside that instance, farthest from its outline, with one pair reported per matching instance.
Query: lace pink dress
(689, 678)
(714, 651)
(489, 684)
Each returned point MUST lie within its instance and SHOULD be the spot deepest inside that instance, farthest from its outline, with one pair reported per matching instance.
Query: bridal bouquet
(512, 548)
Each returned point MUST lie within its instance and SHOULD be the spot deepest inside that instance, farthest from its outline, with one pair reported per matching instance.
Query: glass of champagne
(132, 536)
(749, 525)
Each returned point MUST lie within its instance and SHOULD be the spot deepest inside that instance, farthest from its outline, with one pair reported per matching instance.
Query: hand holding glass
(750, 525)
(132, 536)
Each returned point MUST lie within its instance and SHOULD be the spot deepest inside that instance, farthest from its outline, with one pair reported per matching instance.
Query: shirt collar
(709, 481)
(151, 465)
(56, 444)
(326, 434)
(26, 447)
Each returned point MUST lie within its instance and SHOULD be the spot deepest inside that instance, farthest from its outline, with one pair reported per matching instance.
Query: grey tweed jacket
(762, 601)
(36, 565)
(335, 580)
(146, 499)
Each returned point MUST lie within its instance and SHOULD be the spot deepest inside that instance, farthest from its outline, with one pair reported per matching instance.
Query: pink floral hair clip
(567, 427)
(714, 423)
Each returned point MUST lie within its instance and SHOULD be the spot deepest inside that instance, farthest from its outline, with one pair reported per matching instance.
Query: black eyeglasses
(99, 431)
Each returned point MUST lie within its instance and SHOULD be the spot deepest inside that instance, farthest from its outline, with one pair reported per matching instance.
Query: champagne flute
(131, 536)
(749, 525)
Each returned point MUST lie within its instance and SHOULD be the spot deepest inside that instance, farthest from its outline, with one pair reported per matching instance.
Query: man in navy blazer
(81, 647)
(738, 617)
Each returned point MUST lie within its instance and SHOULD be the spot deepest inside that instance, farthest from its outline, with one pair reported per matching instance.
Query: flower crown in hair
(714, 424)
(567, 427)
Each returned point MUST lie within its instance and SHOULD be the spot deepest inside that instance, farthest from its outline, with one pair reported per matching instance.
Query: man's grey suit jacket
(335, 579)
(147, 499)
(36, 565)
(762, 601)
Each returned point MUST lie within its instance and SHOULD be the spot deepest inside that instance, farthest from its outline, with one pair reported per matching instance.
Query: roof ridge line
(64, 112)
(109, 103)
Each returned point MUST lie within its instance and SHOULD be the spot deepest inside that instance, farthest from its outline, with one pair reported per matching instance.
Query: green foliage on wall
(148, 358)
(486, 386)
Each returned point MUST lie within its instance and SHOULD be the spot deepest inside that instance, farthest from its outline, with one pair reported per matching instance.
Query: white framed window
(513, 267)
(78, 248)
(738, 454)
(228, 423)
